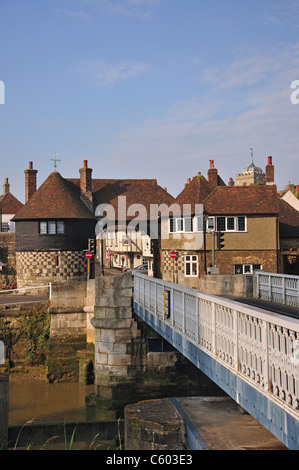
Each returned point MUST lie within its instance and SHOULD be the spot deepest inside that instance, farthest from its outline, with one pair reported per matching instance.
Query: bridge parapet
(280, 288)
(257, 347)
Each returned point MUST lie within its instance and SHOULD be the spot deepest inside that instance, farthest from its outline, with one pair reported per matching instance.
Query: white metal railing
(11, 291)
(281, 288)
(259, 346)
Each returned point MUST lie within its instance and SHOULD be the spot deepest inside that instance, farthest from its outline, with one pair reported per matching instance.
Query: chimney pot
(269, 173)
(86, 183)
(6, 186)
(30, 181)
(188, 180)
(231, 182)
(213, 174)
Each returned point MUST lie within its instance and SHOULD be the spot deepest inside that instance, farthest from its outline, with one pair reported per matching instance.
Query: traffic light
(220, 240)
(166, 303)
(91, 245)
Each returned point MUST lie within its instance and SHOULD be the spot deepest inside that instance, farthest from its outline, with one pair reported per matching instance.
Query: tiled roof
(194, 192)
(54, 199)
(10, 204)
(233, 200)
(58, 197)
(136, 191)
(288, 220)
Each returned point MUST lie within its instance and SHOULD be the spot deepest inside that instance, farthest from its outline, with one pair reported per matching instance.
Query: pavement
(273, 307)
(219, 423)
(20, 299)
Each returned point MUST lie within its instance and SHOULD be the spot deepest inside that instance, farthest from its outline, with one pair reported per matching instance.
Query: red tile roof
(136, 191)
(10, 204)
(232, 200)
(54, 199)
(288, 220)
(58, 197)
(194, 192)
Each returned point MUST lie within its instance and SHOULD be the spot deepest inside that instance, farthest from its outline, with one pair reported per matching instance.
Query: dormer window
(51, 227)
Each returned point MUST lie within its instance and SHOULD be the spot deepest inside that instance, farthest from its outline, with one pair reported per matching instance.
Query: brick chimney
(213, 174)
(188, 182)
(231, 182)
(86, 184)
(269, 173)
(30, 181)
(5, 187)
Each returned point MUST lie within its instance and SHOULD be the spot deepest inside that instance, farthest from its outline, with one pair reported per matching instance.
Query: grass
(69, 445)
(69, 441)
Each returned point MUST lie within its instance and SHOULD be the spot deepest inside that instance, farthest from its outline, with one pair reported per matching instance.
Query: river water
(46, 403)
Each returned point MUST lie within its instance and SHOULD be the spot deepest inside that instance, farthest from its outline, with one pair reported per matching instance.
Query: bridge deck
(219, 424)
(250, 353)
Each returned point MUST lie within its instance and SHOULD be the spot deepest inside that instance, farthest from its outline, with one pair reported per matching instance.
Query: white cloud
(256, 67)
(281, 13)
(138, 8)
(107, 74)
(223, 125)
(76, 14)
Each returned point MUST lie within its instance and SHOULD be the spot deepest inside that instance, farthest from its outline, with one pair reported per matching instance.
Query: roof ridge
(55, 198)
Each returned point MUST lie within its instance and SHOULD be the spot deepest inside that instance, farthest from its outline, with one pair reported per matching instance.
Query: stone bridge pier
(118, 344)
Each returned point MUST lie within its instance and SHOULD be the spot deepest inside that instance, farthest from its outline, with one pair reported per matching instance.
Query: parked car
(139, 269)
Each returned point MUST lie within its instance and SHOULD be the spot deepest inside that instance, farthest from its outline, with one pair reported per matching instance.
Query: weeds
(69, 444)
(18, 436)
(36, 329)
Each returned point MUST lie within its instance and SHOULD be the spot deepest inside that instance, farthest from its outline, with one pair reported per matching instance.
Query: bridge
(250, 353)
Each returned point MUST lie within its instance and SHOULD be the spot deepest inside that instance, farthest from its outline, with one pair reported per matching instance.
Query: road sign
(173, 254)
(88, 255)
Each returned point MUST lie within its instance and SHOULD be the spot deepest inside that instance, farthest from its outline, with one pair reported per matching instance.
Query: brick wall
(225, 260)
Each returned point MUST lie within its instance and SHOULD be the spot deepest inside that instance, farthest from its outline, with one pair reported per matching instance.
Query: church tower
(251, 174)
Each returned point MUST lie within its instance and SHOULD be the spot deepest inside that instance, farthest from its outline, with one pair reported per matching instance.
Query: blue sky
(148, 88)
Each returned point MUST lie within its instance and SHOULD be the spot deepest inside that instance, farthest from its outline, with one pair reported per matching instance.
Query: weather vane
(55, 160)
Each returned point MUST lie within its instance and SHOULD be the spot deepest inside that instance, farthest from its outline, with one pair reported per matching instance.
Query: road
(271, 306)
(19, 299)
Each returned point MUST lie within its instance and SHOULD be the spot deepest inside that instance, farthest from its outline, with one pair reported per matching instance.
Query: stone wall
(115, 331)
(237, 285)
(8, 259)
(125, 369)
(154, 425)
(4, 408)
(68, 332)
(37, 268)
